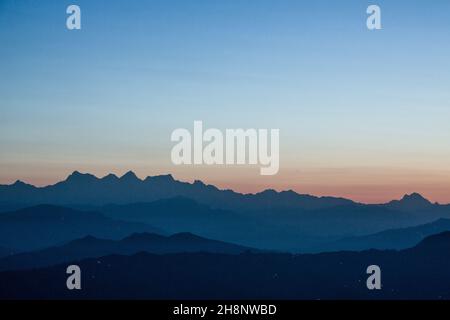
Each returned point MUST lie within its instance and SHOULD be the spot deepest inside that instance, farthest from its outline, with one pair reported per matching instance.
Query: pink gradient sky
(362, 114)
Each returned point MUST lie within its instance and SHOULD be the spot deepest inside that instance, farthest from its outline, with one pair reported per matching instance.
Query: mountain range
(81, 188)
(86, 189)
(91, 247)
(152, 239)
(272, 220)
(389, 239)
(417, 273)
(48, 225)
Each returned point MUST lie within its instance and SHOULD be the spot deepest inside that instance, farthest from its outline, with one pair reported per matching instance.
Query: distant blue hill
(390, 239)
(91, 247)
(417, 273)
(438, 243)
(47, 225)
(183, 214)
(276, 229)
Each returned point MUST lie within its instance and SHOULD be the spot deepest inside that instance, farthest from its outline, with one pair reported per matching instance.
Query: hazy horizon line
(131, 172)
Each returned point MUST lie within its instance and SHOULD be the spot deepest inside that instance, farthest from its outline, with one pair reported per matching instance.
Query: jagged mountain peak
(19, 184)
(267, 192)
(415, 199)
(77, 176)
(199, 183)
(110, 177)
(129, 176)
(160, 178)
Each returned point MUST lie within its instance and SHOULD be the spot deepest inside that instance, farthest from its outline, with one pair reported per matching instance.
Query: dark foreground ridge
(342, 275)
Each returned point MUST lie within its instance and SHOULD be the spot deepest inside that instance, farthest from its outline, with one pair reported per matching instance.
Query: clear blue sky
(359, 111)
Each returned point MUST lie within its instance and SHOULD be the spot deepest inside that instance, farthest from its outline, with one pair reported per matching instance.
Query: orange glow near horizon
(366, 185)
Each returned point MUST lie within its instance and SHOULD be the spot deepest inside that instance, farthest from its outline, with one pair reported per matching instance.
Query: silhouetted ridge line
(91, 247)
(151, 184)
(407, 274)
(48, 225)
(85, 188)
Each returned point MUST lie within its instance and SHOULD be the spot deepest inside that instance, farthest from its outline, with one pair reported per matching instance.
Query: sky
(362, 114)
